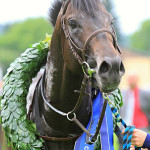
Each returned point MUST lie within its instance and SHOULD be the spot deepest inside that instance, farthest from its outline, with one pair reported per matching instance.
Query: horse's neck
(60, 84)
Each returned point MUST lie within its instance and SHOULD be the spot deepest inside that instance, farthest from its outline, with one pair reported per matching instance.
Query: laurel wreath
(20, 132)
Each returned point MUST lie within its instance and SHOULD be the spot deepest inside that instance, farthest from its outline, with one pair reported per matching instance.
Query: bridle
(81, 58)
(74, 47)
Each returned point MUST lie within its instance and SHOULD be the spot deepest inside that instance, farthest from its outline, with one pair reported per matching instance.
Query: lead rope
(128, 129)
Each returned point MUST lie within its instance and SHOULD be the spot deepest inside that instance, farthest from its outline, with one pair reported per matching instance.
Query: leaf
(12, 106)
(34, 51)
(18, 67)
(18, 111)
(14, 125)
(37, 144)
(32, 56)
(18, 91)
(3, 101)
(10, 119)
(25, 60)
(32, 127)
(22, 146)
(16, 115)
(26, 140)
(9, 70)
(15, 138)
(5, 113)
(121, 104)
(9, 92)
(7, 87)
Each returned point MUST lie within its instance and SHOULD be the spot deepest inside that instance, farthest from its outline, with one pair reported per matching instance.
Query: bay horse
(83, 38)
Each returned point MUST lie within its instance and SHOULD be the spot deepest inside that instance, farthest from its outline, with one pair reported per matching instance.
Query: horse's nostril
(122, 69)
(111, 67)
(104, 68)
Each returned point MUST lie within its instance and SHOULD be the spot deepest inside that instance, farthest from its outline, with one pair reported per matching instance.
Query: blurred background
(24, 22)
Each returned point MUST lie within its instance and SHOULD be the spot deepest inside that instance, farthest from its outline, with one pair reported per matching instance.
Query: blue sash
(106, 131)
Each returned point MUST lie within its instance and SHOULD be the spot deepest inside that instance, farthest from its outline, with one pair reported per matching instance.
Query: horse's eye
(72, 24)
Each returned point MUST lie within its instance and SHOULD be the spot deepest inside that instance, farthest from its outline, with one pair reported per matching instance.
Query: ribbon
(106, 131)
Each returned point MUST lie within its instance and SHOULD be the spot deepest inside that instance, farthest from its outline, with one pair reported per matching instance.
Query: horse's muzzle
(110, 72)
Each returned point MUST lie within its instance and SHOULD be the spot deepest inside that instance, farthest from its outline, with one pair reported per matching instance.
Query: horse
(83, 39)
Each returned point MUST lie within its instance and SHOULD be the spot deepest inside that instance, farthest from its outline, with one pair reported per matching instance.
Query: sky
(130, 12)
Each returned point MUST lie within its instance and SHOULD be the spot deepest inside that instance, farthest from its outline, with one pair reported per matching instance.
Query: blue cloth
(110, 126)
(106, 131)
(147, 142)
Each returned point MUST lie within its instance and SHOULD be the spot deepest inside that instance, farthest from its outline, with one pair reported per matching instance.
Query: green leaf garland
(21, 132)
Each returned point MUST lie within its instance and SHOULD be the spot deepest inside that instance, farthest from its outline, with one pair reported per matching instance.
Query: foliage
(21, 132)
(140, 39)
(19, 36)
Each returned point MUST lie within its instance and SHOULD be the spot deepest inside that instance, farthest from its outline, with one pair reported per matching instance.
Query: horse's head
(88, 28)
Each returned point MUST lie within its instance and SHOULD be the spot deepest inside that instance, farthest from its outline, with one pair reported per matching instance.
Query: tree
(19, 36)
(141, 38)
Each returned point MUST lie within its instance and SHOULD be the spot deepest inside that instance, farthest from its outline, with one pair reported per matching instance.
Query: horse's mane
(88, 6)
(54, 10)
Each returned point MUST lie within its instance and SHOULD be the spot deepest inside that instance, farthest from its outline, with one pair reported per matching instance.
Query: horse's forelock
(88, 6)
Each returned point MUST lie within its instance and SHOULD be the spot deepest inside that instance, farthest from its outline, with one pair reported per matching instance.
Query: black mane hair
(54, 10)
(88, 6)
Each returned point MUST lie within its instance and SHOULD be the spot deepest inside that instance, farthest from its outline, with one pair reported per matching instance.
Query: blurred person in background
(136, 104)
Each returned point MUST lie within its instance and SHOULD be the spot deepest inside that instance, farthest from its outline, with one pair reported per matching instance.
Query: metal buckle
(71, 119)
(87, 70)
(105, 95)
(91, 138)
